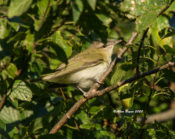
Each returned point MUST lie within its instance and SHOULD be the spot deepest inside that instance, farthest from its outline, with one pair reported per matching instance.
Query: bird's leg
(84, 93)
(97, 81)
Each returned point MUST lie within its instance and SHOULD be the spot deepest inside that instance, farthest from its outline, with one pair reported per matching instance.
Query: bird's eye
(104, 46)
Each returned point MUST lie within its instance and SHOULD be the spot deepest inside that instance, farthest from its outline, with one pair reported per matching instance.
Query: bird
(85, 68)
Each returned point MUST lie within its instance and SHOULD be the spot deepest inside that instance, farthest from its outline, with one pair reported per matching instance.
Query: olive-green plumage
(84, 68)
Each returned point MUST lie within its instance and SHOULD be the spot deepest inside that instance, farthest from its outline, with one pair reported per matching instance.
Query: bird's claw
(84, 92)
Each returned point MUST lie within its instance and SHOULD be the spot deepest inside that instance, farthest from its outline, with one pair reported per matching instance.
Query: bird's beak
(113, 42)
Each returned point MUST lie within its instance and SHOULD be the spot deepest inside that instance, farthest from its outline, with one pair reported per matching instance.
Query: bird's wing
(74, 65)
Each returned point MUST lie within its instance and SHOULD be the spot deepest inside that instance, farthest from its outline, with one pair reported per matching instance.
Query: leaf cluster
(37, 35)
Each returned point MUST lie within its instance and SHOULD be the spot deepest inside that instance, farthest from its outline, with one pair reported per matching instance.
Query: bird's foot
(84, 92)
(99, 82)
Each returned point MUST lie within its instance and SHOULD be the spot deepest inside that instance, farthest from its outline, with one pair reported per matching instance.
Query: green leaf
(77, 6)
(144, 11)
(37, 124)
(105, 19)
(29, 41)
(92, 3)
(43, 10)
(18, 7)
(84, 118)
(60, 50)
(156, 37)
(4, 29)
(127, 102)
(170, 33)
(59, 55)
(25, 114)
(21, 91)
(42, 5)
(10, 71)
(9, 115)
(171, 8)
(58, 39)
(15, 26)
(104, 134)
(145, 21)
(17, 37)
(122, 71)
(94, 110)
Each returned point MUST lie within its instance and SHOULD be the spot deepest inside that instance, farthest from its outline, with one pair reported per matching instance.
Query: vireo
(85, 68)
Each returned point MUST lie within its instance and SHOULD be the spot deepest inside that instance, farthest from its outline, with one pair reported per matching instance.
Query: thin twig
(165, 8)
(152, 85)
(4, 97)
(139, 51)
(53, 30)
(62, 93)
(46, 10)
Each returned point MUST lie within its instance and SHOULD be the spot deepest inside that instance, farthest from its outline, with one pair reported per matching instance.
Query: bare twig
(4, 97)
(161, 117)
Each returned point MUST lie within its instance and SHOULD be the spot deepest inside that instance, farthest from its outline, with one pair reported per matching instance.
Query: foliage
(36, 36)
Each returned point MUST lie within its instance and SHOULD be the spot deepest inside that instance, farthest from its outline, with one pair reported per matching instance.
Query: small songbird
(85, 68)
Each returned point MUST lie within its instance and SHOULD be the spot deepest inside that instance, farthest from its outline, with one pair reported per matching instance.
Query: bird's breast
(86, 77)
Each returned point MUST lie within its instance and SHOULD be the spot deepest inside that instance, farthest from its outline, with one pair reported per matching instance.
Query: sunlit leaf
(106, 20)
(10, 71)
(127, 102)
(92, 3)
(20, 91)
(18, 7)
(77, 9)
(9, 115)
(4, 29)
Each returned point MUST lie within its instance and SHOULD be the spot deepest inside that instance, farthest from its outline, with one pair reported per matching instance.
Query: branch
(161, 117)
(93, 89)
(134, 78)
(4, 97)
